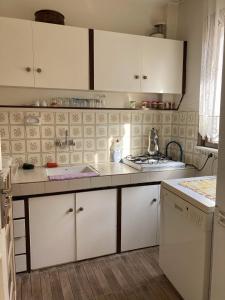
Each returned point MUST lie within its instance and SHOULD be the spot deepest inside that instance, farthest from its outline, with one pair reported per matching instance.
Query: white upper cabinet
(16, 53)
(60, 56)
(34, 54)
(117, 62)
(42, 55)
(131, 63)
(162, 65)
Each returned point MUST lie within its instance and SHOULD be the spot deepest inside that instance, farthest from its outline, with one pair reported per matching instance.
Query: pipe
(180, 147)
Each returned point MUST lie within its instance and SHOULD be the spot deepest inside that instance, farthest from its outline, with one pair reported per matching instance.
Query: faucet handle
(72, 143)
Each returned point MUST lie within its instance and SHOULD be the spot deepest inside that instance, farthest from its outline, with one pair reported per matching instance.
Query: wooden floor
(133, 275)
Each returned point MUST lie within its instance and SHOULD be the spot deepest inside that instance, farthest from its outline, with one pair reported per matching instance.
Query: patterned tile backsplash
(93, 132)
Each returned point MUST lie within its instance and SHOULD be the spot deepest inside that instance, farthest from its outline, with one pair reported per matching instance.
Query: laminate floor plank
(84, 287)
(135, 270)
(121, 280)
(26, 287)
(73, 282)
(55, 285)
(65, 284)
(95, 284)
(18, 288)
(46, 286)
(134, 275)
(110, 277)
(103, 283)
(36, 290)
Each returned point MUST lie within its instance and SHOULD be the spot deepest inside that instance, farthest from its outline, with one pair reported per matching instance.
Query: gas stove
(148, 162)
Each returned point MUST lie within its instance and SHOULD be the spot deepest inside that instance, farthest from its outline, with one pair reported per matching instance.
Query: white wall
(190, 24)
(130, 16)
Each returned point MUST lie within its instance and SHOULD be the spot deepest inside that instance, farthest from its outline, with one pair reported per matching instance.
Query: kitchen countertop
(198, 199)
(39, 174)
(34, 182)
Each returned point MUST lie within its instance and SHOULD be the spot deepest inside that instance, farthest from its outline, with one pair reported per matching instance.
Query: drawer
(19, 228)
(20, 245)
(21, 263)
(18, 209)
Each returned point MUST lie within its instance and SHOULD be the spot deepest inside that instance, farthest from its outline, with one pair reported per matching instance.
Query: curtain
(211, 70)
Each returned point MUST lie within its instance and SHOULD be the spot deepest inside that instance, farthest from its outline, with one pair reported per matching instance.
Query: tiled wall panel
(93, 132)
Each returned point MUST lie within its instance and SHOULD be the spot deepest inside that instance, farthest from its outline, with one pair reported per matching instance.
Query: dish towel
(71, 176)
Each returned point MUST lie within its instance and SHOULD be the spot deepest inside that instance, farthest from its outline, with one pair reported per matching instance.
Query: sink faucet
(153, 142)
(66, 142)
(180, 147)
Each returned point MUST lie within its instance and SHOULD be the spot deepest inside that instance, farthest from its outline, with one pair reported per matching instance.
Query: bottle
(115, 151)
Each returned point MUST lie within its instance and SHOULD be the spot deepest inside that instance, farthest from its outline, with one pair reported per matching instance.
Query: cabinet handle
(154, 200)
(70, 210)
(28, 69)
(145, 77)
(80, 209)
(136, 76)
(39, 70)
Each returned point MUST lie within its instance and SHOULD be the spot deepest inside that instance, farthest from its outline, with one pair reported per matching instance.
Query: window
(211, 74)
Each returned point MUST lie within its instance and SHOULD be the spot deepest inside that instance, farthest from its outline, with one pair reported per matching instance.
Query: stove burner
(147, 159)
(148, 162)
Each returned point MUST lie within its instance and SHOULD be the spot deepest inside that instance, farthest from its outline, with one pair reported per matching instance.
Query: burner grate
(147, 159)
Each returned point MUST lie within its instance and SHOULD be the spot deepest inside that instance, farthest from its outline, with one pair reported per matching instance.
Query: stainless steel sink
(70, 172)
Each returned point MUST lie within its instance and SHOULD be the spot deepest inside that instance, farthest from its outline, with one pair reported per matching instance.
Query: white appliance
(185, 245)
(218, 253)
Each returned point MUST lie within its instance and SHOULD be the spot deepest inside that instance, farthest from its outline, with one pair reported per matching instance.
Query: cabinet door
(52, 230)
(60, 56)
(117, 61)
(162, 65)
(139, 217)
(96, 223)
(16, 53)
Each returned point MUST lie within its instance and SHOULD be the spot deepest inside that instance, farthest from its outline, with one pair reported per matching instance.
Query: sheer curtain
(211, 70)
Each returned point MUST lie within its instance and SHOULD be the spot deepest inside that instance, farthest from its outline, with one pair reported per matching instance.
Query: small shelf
(83, 108)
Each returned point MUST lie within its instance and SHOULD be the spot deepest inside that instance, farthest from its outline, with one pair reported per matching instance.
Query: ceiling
(131, 16)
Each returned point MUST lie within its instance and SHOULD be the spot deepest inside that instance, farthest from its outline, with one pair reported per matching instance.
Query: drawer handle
(178, 207)
(136, 76)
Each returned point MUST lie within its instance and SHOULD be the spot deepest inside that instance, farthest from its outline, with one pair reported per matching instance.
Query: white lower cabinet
(52, 230)
(96, 223)
(139, 217)
(70, 227)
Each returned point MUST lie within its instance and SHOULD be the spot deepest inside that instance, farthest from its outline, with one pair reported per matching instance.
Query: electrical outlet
(206, 151)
